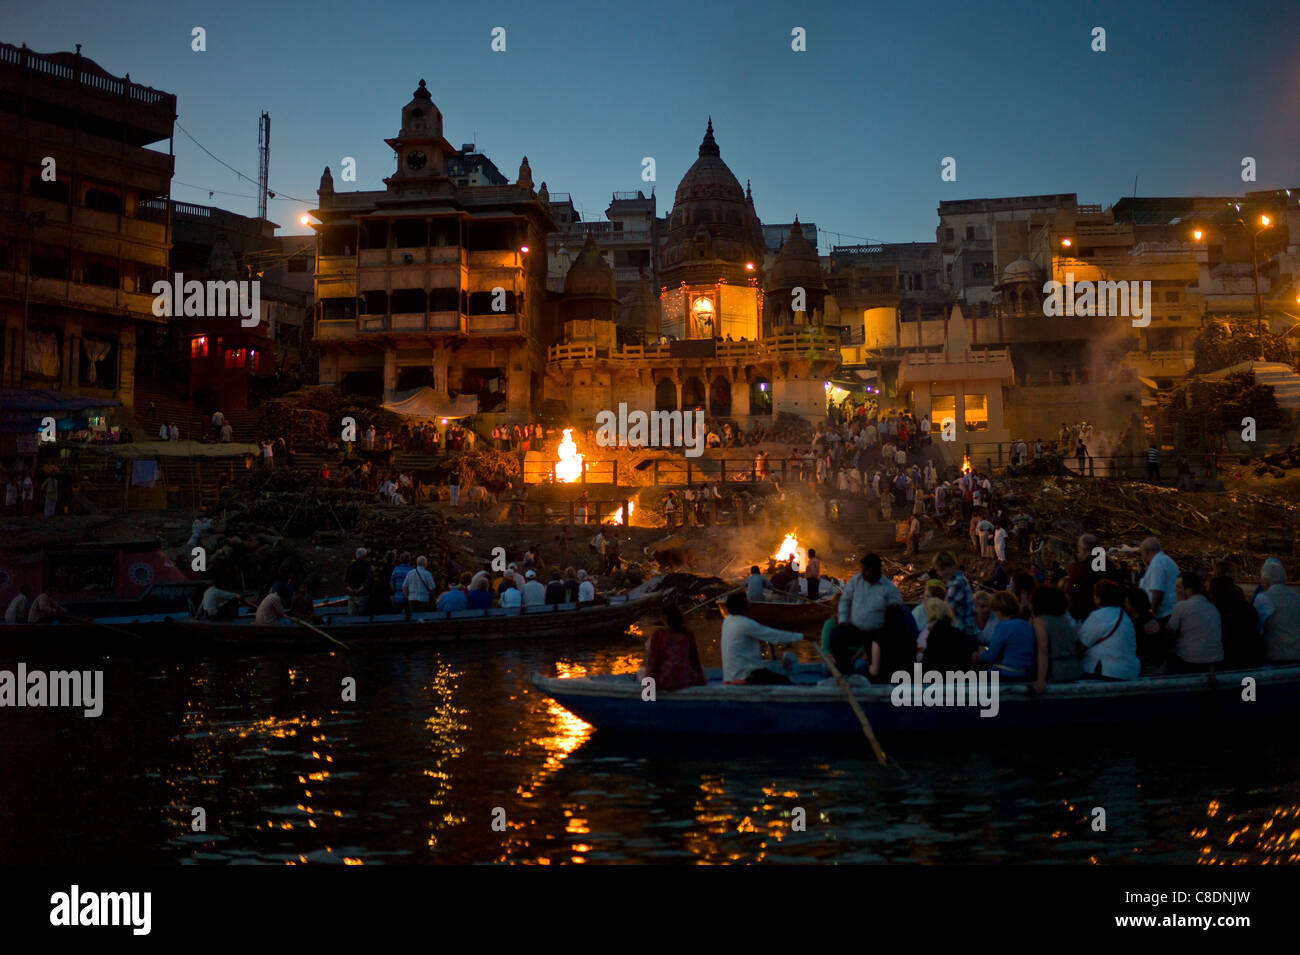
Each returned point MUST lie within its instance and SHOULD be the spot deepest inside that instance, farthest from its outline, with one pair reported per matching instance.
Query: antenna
(263, 161)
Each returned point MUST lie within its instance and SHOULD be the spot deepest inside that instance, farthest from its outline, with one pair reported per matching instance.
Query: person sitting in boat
(672, 659)
(1056, 638)
(1243, 645)
(1196, 628)
(1151, 646)
(1011, 648)
(959, 594)
(785, 580)
(742, 644)
(45, 609)
(271, 611)
(984, 619)
(1278, 607)
(934, 587)
(893, 647)
(571, 586)
(20, 606)
(861, 611)
(457, 596)
(1108, 636)
(556, 593)
(218, 604)
(480, 596)
(755, 584)
(511, 597)
(942, 646)
(534, 593)
(586, 589)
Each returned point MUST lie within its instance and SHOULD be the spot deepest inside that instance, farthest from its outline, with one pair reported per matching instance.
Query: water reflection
(415, 769)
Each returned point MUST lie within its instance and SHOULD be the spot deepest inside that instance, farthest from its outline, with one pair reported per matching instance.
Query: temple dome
(1021, 270)
(590, 275)
(713, 230)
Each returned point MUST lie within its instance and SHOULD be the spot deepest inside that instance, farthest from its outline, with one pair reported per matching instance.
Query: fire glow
(617, 516)
(569, 468)
(965, 464)
(790, 549)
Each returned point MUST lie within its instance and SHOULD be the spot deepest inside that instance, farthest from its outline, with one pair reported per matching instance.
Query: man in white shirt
(1159, 580)
(214, 599)
(861, 611)
(1278, 608)
(742, 645)
(271, 611)
(1196, 627)
(586, 589)
(1000, 543)
(534, 592)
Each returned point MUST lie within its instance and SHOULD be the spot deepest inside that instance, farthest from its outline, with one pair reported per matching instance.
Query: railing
(797, 343)
(941, 358)
(28, 60)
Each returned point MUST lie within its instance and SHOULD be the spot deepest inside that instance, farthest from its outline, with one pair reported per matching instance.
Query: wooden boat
(787, 612)
(813, 705)
(175, 632)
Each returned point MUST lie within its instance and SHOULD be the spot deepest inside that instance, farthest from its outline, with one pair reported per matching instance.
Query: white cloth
(269, 611)
(1117, 653)
(1160, 576)
(863, 604)
(742, 651)
(512, 598)
(586, 591)
(1281, 623)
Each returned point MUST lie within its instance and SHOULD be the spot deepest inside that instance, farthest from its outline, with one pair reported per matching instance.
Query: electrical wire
(271, 193)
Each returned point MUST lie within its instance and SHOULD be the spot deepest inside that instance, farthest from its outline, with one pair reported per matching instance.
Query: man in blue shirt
(404, 567)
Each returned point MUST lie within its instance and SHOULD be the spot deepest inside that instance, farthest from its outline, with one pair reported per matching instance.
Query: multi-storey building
(430, 283)
(80, 250)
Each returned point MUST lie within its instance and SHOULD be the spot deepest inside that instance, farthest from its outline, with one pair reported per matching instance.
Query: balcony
(79, 295)
(492, 324)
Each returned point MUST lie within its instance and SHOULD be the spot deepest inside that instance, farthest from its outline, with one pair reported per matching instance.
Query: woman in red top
(671, 658)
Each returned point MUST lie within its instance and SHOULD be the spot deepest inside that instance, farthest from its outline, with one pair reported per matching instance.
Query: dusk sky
(849, 134)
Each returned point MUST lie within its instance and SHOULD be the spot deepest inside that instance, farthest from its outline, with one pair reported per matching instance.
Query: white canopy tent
(427, 403)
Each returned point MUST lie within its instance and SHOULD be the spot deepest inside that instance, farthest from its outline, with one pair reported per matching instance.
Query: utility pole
(263, 162)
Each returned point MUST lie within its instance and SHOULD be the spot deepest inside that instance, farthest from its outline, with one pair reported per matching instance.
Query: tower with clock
(420, 147)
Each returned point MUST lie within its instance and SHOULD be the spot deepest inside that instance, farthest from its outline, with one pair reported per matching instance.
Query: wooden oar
(853, 702)
(713, 600)
(317, 629)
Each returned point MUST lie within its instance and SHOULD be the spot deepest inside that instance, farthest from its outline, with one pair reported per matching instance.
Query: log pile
(314, 416)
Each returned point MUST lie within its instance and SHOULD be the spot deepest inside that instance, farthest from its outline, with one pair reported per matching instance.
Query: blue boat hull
(615, 704)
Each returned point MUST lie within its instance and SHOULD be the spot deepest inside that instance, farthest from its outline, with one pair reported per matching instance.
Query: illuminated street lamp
(1264, 223)
(1067, 242)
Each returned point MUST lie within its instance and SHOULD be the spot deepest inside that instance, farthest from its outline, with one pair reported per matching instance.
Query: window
(199, 346)
(1171, 296)
(103, 201)
(977, 412)
(948, 235)
(236, 357)
(970, 232)
(942, 408)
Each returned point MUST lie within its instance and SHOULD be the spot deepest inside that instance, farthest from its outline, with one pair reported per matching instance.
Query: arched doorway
(720, 398)
(692, 394)
(666, 395)
(760, 396)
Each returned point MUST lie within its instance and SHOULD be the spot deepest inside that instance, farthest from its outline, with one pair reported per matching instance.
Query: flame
(790, 549)
(617, 516)
(569, 468)
(965, 464)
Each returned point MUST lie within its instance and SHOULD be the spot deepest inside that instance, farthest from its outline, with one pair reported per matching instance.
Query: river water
(450, 755)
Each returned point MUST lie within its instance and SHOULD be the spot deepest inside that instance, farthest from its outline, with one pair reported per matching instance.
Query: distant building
(80, 248)
(431, 283)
